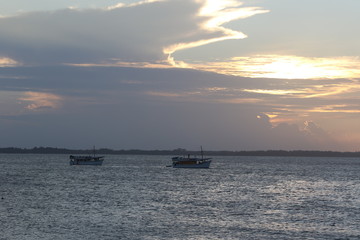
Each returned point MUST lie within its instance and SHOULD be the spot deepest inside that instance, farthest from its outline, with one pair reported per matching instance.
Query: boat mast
(202, 153)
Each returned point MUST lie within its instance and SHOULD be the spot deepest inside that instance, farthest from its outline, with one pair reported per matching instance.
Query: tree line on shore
(178, 151)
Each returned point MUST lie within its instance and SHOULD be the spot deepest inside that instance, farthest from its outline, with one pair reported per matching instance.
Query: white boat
(191, 162)
(86, 160)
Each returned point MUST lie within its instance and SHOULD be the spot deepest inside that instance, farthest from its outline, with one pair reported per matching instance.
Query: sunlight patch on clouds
(226, 11)
(331, 89)
(218, 13)
(335, 109)
(311, 91)
(286, 67)
(8, 62)
(121, 5)
(300, 99)
(274, 91)
(40, 100)
(180, 46)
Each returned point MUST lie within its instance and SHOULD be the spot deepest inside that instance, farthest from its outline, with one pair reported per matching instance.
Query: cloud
(81, 94)
(144, 32)
(318, 136)
(285, 67)
(177, 107)
(217, 13)
(8, 62)
(40, 100)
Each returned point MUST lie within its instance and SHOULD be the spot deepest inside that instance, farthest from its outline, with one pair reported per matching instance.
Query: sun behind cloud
(285, 67)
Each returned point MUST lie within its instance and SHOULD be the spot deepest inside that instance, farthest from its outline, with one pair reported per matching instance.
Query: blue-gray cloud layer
(135, 33)
(73, 107)
(142, 108)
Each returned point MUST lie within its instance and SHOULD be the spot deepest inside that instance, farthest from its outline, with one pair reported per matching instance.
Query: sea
(138, 197)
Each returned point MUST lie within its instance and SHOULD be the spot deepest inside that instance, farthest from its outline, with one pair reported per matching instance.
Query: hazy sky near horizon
(163, 74)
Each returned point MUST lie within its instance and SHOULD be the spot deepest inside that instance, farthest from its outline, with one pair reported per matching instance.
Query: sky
(167, 74)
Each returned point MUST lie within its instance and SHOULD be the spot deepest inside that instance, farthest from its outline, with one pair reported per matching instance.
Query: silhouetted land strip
(179, 151)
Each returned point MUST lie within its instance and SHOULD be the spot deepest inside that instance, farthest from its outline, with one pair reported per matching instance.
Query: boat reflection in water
(191, 162)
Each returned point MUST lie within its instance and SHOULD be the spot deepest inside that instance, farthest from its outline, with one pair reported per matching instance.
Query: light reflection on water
(137, 197)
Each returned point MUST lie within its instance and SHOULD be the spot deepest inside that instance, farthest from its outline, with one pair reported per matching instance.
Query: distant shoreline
(105, 151)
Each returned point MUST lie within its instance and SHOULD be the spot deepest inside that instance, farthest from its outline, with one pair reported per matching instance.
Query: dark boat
(191, 162)
(86, 160)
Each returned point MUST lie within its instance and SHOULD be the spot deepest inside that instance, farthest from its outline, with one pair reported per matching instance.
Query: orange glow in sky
(286, 67)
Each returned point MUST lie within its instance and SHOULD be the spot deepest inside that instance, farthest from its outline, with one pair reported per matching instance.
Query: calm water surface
(137, 197)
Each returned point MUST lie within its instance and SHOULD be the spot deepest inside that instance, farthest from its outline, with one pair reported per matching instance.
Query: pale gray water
(137, 197)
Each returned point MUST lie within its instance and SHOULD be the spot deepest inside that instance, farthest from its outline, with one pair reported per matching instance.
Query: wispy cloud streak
(8, 62)
(286, 67)
(40, 100)
(215, 14)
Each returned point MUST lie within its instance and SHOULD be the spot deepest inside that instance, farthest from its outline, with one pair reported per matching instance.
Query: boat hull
(205, 164)
(86, 160)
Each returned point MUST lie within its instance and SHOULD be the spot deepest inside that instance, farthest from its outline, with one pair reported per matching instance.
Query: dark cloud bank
(124, 108)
